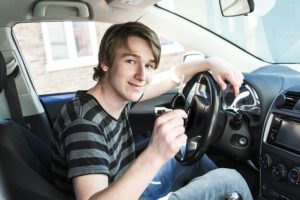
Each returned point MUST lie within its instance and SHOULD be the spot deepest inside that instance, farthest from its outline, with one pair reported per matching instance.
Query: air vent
(291, 99)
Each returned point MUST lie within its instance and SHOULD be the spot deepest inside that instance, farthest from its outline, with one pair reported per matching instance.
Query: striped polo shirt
(87, 140)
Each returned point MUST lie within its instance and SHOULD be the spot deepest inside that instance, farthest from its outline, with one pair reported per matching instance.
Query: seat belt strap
(2, 72)
(13, 98)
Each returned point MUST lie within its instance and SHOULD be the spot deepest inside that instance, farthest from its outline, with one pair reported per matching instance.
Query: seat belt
(13, 98)
(2, 72)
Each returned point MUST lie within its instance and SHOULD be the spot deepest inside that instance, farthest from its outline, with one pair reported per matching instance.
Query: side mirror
(230, 8)
(193, 56)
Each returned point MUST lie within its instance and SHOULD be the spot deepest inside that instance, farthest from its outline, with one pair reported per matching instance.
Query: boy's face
(131, 70)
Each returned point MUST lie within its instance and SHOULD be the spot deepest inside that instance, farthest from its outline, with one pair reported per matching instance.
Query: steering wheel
(201, 99)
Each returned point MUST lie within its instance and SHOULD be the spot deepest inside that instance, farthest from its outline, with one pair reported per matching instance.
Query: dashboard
(270, 105)
(248, 120)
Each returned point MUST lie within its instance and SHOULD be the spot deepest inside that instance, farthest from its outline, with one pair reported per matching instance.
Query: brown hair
(116, 36)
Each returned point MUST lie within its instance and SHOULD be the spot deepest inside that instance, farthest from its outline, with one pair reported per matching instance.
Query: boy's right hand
(168, 134)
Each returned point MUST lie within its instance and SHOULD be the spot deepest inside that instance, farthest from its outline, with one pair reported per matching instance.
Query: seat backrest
(24, 159)
(25, 163)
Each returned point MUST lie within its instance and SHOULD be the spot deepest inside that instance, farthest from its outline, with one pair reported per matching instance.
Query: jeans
(199, 181)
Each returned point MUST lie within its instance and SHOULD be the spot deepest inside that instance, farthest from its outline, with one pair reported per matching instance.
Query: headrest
(2, 72)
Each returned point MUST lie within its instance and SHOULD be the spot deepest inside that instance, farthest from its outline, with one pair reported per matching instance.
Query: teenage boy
(93, 150)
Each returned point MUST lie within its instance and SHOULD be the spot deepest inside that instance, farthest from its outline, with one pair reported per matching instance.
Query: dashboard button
(266, 161)
(279, 172)
(294, 175)
(243, 141)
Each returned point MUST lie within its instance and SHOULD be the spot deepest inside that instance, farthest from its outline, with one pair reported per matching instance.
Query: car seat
(24, 159)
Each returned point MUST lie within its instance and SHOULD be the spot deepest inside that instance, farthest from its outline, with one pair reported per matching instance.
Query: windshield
(271, 32)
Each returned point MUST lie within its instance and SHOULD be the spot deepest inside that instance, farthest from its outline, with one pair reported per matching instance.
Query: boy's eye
(151, 67)
(130, 61)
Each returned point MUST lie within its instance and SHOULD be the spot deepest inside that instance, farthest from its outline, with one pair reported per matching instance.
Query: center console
(280, 148)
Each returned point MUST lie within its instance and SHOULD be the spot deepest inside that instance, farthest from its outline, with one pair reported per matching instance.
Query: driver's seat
(24, 159)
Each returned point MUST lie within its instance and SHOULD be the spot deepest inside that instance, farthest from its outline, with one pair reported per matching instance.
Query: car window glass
(270, 33)
(60, 56)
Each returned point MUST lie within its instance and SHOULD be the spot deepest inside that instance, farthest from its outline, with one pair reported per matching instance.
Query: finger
(239, 77)
(171, 125)
(180, 141)
(236, 89)
(221, 82)
(234, 83)
(174, 134)
(177, 113)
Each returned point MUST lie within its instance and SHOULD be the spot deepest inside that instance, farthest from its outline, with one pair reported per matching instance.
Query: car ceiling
(98, 10)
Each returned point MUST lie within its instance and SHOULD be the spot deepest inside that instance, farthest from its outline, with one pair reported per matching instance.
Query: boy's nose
(141, 73)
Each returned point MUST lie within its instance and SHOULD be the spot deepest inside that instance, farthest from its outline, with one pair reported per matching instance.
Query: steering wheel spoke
(203, 107)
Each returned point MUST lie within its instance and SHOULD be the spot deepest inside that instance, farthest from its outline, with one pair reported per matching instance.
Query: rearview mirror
(230, 8)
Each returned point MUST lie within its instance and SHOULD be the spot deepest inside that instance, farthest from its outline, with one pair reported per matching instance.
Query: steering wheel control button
(265, 161)
(294, 175)
(279, 172)
(202, 91)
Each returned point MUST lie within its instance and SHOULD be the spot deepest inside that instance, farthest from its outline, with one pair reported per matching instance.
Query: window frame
(73, 61)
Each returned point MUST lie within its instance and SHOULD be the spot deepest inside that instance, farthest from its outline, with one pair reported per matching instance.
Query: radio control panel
(280, 149)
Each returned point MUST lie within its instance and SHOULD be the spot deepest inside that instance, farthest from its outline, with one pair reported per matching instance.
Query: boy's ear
(104, 67)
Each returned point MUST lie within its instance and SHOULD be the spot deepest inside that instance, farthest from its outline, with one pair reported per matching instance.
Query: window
(170, 46)
(69, 44)
(60, 56)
